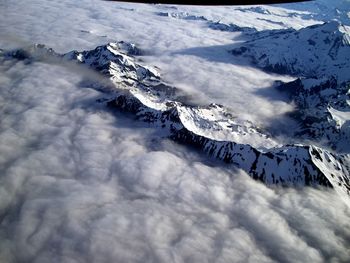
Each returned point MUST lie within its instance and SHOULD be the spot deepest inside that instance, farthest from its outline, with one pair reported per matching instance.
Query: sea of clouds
(185, 51)
(81, 183)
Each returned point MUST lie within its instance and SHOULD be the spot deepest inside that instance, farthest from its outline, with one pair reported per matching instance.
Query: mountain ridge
(301, 52)
(139, 90)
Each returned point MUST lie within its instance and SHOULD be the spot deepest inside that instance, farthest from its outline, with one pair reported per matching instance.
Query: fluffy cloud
(80, 183)
(185, 51)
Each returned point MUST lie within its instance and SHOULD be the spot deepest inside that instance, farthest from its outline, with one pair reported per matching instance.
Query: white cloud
(81, 184)
(185, 51)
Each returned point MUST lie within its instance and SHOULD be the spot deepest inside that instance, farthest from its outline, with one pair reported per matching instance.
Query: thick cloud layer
(185, 51)
(79, 183)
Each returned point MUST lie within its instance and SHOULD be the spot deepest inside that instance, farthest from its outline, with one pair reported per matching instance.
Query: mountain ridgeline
(138, 89)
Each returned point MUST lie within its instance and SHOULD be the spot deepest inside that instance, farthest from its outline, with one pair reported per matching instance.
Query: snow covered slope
(113, 60)
(319, 56)
(323, 10)
(315, 51)
(322, 110)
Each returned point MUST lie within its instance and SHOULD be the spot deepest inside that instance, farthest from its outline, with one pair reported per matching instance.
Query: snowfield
(84, 182)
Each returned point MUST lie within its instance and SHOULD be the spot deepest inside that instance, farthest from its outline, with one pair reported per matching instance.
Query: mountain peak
(116, 60)
(316, 51)
(332, 29)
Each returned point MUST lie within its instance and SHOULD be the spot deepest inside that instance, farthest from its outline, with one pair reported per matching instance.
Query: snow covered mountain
(170, 149)
(323, 110)
(138, 89)
(319, 56)
(322, 10)
(287, 165)
(316, 51)
(218, 133)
